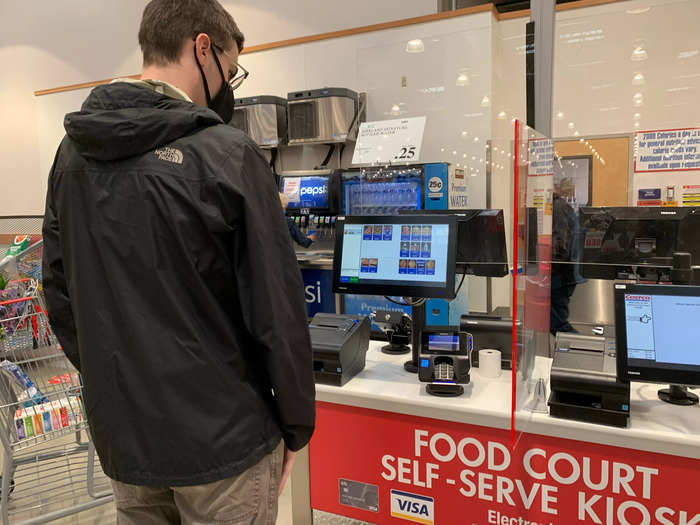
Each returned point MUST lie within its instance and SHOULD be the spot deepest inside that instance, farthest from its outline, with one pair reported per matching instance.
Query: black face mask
(223, 102)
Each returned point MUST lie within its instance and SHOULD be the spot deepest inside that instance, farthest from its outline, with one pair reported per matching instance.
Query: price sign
(389, 141)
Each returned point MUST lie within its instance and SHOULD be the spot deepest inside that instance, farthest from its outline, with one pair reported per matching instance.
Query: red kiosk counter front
(386, 452)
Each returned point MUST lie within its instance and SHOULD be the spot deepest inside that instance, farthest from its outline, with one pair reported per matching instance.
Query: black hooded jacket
(172, 285)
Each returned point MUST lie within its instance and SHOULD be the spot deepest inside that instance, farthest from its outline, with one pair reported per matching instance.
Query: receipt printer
(584, 384)
(339, 344)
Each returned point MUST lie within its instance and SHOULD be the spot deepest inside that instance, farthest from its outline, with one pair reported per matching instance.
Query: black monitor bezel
(429, 292)
(646, 374)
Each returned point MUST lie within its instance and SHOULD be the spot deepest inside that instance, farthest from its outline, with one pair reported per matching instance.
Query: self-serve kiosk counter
(385, 451)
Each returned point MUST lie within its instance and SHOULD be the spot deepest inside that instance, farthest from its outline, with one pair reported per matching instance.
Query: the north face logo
(169, 155)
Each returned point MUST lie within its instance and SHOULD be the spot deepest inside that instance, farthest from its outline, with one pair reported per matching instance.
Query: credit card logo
(412, 507)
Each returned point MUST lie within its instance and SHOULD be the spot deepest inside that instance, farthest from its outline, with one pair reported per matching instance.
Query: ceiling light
(464, 156)
(485, 102)
(476, 139)
(638, 11)
(415, 46)
(638, 80)
(473, 157)
(636, 124)
(454, 152)
(442, 150)
(463, 80)
(638, 99)
(560, 115)
(395, 110)
(465, 133)
(688, 54)
(571, 126)
(637, 116)
(576, 133)
(502, 115)
(581, 139)
(639, 54)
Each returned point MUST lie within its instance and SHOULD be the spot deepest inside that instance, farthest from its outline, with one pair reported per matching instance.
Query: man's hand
(287, 465)
(313, 236)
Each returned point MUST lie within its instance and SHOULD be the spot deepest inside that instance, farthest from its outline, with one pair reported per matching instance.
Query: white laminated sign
(389, 141)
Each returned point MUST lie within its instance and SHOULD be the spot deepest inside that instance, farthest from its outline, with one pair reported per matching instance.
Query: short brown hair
(167, 24)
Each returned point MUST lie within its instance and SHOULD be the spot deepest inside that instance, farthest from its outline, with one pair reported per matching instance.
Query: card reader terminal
(444, 360)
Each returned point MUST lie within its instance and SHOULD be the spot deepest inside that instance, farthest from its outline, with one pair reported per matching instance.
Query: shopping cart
(49, 469)
(26, 264)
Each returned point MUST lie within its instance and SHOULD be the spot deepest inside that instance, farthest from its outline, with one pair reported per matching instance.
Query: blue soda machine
(313, 204)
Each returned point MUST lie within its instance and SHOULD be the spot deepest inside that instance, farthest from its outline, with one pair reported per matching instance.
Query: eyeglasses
(235, 78)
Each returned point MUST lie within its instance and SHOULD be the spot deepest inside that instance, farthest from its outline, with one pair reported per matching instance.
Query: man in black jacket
(172, 284)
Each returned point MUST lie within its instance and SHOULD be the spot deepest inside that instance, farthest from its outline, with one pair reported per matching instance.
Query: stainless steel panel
(593, 303)
(334, 117)
(263, 126)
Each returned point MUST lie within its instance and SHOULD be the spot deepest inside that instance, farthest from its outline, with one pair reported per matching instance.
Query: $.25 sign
(388, 141)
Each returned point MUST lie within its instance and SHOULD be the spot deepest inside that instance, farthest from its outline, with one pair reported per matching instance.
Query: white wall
(48, 44)
(594, 83)
(265, 21)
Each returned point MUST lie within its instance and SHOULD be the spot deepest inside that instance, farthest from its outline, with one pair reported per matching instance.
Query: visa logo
(412, 507)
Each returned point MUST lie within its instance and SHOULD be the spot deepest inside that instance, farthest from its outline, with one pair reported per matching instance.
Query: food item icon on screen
(373, 264)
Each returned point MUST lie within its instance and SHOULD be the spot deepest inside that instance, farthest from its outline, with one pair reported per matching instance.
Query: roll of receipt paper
(490, 363)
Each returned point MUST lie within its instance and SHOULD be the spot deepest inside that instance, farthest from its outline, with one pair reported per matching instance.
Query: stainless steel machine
(324, 116)
(262, 118)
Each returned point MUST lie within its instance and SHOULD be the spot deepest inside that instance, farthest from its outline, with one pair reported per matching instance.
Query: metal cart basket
(49, 468)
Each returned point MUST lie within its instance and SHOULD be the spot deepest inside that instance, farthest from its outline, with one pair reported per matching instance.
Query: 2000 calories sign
(667, 150)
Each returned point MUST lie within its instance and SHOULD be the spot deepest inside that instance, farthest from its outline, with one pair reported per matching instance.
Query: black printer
(339, 343)
(583, 381)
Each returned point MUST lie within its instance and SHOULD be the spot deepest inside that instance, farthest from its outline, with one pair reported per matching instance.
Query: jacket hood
(122, 120)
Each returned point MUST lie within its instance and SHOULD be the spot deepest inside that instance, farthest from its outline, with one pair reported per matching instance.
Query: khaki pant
(250, 498)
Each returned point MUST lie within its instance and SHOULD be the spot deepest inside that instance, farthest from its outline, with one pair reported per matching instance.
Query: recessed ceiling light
(560, 115)
(463, 80)
(637, 116)
(502, 115)
(638, 99)
(638, 11)
(571, 126)
(415, 46)
(638, 80)
(485, 102)
(639, 54)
